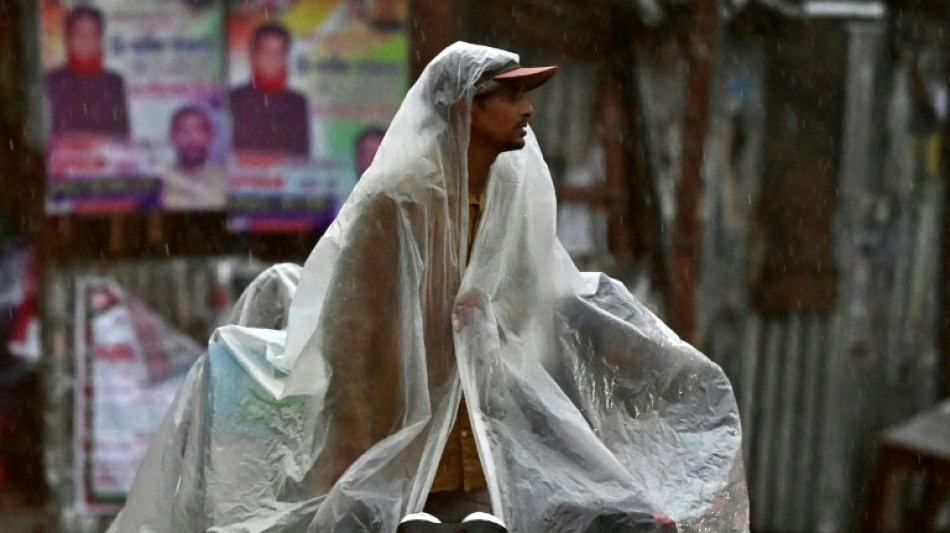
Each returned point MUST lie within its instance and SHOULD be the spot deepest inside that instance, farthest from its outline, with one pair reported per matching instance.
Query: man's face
(192, 136)
(366, 151)
(269, 57)
(500, 118)
(84, 40)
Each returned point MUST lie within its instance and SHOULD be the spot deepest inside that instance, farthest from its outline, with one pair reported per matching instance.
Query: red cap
(530, 77)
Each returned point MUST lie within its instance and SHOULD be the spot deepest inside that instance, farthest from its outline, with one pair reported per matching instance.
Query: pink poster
(133, 105)
(312, 87)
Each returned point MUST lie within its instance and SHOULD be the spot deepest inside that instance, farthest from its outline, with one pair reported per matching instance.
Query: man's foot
(483, 523)
(419, 523)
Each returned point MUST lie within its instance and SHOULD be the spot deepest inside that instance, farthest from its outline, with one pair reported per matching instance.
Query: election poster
(133, 105)
(129, 367)
(312, 87)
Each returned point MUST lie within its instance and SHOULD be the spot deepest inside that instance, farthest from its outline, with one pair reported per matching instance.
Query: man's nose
(528, 109)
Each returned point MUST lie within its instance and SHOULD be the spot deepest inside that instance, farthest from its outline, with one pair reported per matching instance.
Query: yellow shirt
(459, 468)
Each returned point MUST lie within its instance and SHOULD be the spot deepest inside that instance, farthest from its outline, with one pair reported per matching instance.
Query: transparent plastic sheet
(589, 413)
(168, 492)
(265, 302)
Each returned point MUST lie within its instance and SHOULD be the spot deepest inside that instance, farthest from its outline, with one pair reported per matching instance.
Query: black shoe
(483, 523)
(419, 523)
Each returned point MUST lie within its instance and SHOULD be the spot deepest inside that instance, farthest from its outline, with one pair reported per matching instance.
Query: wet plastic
(588, 412)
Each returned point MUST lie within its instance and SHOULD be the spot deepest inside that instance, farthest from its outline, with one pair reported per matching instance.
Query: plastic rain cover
(589, 413)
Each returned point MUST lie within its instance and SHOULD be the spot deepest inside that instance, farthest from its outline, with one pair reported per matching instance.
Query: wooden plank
(684, 264)
(432, 28)
(643, 204)
(804, 102)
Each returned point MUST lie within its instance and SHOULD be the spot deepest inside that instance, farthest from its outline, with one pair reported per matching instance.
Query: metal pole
(943, 319)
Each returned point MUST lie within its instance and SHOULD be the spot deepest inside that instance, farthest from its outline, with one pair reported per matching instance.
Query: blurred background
(768, 175)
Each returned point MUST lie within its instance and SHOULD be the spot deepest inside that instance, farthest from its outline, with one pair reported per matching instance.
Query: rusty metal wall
(782, 387)
(816, 390)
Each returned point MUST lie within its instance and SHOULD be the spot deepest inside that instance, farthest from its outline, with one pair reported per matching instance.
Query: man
(83, 97)
(193, 182)
(268, 116)
(499, 121)
(442, 280)
(365, 147)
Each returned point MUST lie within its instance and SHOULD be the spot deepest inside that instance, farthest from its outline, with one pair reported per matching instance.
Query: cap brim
(530, 77)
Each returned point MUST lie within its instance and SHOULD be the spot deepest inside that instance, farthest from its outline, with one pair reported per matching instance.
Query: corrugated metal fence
(815, 391)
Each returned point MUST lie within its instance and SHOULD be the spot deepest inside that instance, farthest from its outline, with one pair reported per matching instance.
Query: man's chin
(515, 145)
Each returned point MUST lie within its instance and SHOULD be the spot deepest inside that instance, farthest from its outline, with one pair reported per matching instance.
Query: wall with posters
(133, 102)
(141, 114)
(312, 85)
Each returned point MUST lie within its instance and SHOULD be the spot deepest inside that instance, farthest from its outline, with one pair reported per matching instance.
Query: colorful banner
(129, 366)
(133, 105)
(312, 87)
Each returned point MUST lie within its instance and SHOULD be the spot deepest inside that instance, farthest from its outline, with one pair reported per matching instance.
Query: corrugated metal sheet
(782, 397)
(816, 390)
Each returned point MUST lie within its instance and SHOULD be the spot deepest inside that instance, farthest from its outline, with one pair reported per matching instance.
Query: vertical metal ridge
(794, 422)
(766, 421)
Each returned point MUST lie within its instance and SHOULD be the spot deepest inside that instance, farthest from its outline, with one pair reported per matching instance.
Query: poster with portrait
(312, 88)
(133, 105)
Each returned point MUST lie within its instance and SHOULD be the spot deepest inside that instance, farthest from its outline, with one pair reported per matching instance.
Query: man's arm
(362, 332)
